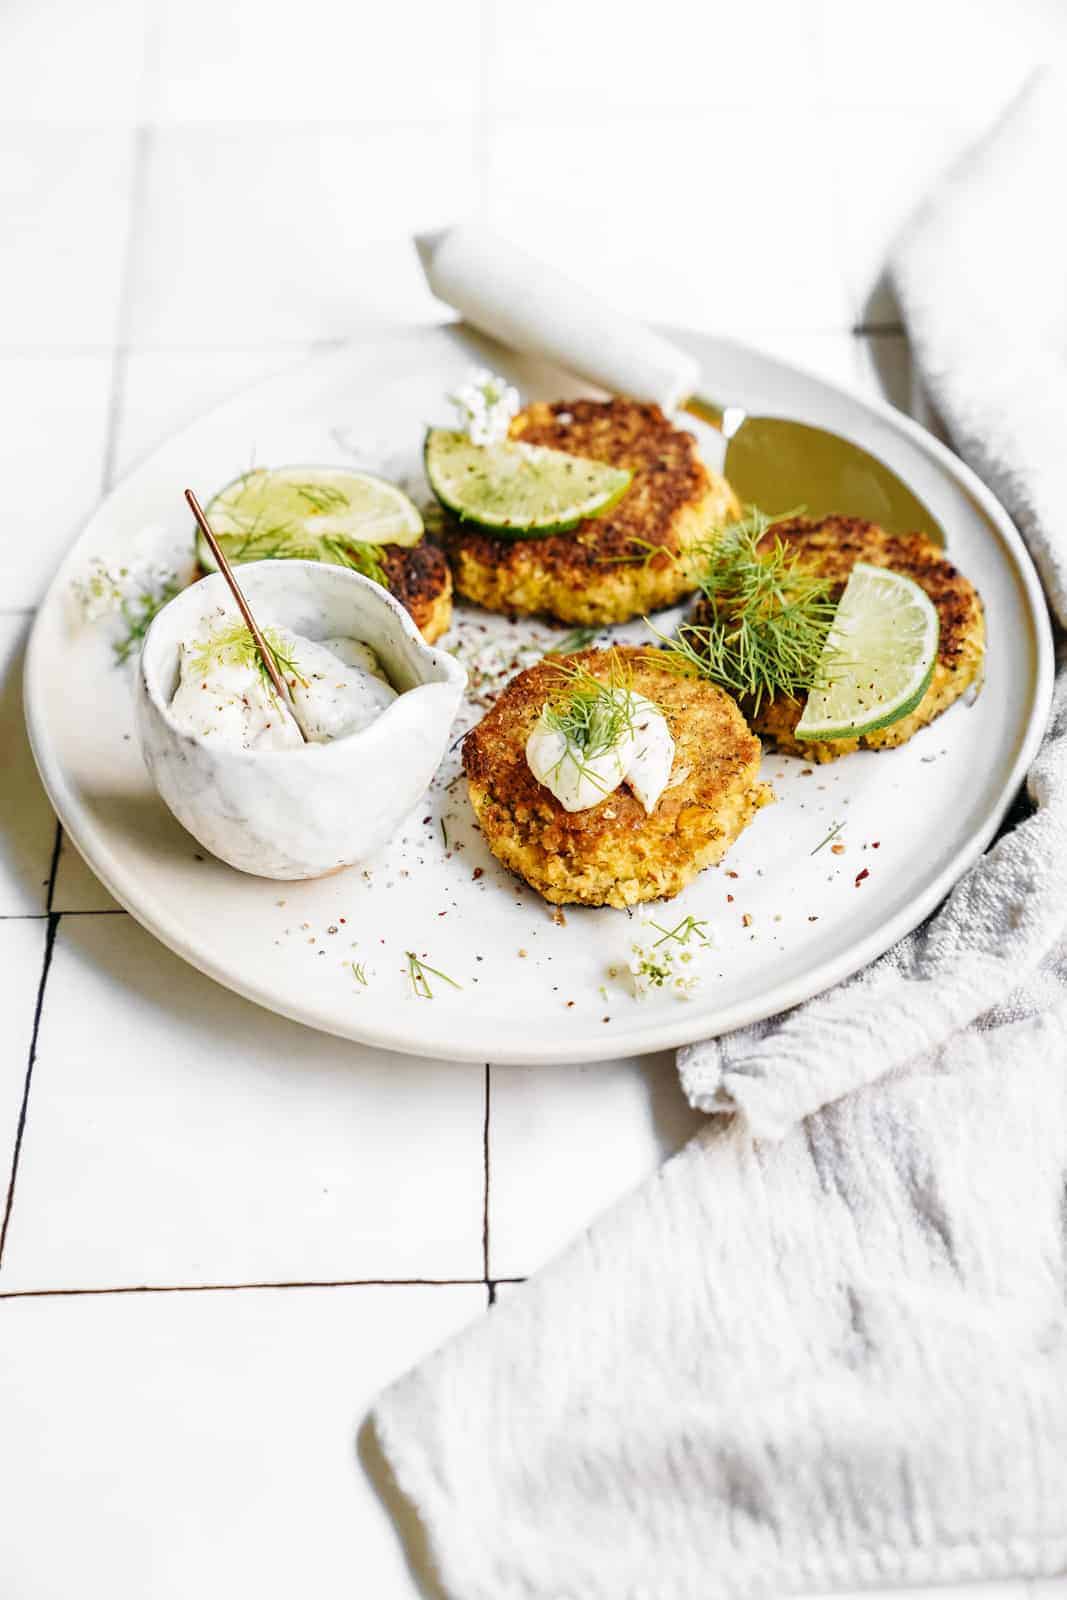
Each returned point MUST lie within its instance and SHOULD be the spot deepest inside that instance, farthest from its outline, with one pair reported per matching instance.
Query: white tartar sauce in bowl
(224, 696)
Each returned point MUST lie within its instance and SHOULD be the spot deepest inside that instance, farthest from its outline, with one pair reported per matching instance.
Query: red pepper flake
(729, 899)
(477, 873)
(569, 1004)
(813, 919)
(731, 874)
(875, 843)
(860, 876)
(807, 772)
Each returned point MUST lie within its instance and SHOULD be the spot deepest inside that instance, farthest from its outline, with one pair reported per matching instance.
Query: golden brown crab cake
(615, 854)
(417, 575)
(637, 557)
(831, 547)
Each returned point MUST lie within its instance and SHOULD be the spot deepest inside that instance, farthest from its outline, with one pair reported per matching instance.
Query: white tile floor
(194, 197)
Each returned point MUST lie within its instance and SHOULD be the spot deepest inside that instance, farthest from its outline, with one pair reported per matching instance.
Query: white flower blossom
(103, 590)
(486, 404)
(665, 958)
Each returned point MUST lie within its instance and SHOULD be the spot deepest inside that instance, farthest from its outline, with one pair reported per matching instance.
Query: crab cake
(831, 547)
(614, 853)
(417, 575)
(604, 570)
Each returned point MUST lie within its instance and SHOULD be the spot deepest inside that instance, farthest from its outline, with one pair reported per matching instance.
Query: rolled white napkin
(532, 308)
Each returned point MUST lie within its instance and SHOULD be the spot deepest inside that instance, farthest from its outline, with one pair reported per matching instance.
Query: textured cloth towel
(835, 1354)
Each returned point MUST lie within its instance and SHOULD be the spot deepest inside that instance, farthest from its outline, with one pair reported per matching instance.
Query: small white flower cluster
(104, 590)
(668, 958)
(486, 405)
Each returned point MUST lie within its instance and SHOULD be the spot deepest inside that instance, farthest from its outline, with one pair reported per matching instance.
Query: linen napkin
(838, 1356)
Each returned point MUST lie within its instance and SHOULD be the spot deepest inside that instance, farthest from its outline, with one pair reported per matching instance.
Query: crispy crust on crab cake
(602, 570)
(418, 576)
(614, 854)
(831, 547)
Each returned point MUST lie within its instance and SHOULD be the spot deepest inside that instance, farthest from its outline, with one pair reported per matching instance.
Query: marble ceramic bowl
(300, 813)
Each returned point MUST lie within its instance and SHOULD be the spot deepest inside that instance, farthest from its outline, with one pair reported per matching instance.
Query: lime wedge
(516, 490)
(878, 658)
(311, 513)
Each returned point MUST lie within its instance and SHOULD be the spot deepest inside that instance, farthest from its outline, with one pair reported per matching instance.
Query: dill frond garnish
(644, 553)
(322, 497)
(765, 617)
(234, 646)
(591, 716)
(137, 612)
(688, 928)
(359, 972)
(360, 557)
(579, 639)
(419, 973)
(834, 831)
(670, 962)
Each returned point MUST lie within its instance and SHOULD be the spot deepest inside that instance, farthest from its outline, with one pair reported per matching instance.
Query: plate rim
(653, 1034)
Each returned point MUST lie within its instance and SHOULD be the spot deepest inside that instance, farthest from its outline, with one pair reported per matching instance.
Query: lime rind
(878, 659)
(308, 513)
(517, 490)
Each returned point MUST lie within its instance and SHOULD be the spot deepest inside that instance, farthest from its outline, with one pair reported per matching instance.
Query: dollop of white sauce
(339, 688)
(642, 758)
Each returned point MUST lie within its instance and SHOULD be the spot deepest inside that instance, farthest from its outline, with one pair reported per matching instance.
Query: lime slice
(878, 658)
(516, 490)
(312, 513)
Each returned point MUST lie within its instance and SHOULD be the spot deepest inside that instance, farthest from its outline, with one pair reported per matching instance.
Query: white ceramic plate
(786, 922)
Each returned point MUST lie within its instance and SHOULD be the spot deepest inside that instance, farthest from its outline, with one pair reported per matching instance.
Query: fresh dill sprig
(763, 621)
(689, 927)
(418, 972)
(360, 557)
(834, 831)
(235, 646)
(322, 497)
(588, 712)
(591, 715)
(137, 612)
(644, 553)
(579, 639)
(359, 972)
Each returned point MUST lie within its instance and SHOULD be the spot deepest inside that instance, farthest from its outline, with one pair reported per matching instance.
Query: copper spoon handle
(266, 655)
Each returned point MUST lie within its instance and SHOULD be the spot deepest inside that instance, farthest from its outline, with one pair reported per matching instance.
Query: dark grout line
(239, 1288)
(62, 911)
(485, 1182)
(879, 330)
(49, 946)
(54, 867)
